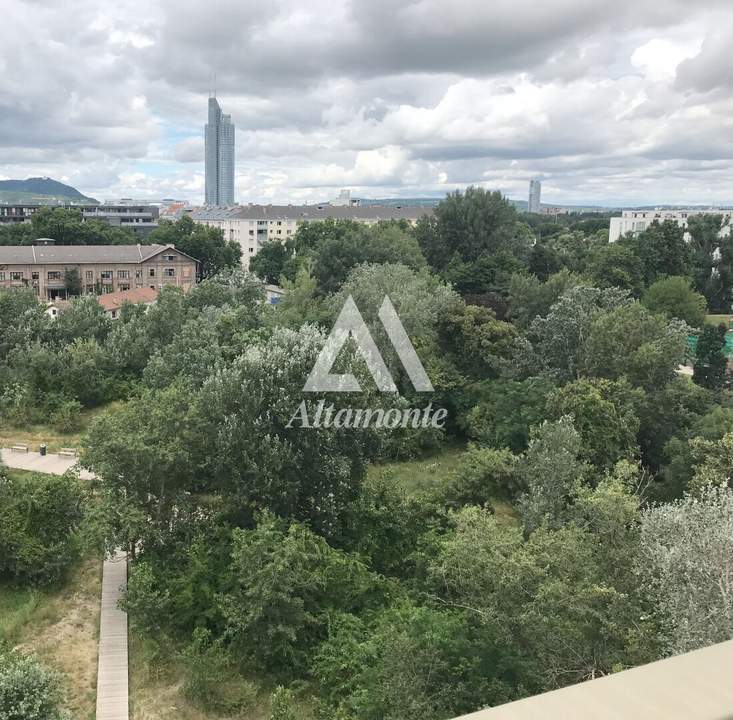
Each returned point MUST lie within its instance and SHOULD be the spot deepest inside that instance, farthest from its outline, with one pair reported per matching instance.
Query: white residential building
(253, 225)
(636, 221)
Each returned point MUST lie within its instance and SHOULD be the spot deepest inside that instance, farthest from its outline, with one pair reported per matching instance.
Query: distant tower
(535, 190)
(219, 150)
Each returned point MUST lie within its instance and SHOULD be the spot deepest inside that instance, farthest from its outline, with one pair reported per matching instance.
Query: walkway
(112, 674)
(112, 687)
(51, 463)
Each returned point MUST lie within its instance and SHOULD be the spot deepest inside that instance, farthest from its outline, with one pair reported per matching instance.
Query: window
(138, 274)
(114, 314)
(54, 275)
(89, 274)
(251, 249)
(89, 289)
(123, 286)
(171, 258)
(2, 276)
(169, 272)
(152, 274)
(106, 274)
(34, 276)
(123, 274)
(16, 275)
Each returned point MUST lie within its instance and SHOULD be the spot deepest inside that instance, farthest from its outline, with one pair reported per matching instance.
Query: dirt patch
(64, 632)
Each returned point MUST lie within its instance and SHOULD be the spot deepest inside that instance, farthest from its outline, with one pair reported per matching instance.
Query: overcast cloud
(608, 102)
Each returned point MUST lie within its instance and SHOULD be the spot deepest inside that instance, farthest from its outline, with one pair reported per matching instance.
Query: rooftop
(313, 212)
(115, 300)
(77, 254)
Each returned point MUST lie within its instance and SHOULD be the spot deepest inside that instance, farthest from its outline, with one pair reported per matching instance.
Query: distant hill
(42, 191)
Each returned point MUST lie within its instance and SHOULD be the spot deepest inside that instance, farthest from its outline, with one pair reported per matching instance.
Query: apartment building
(636, 221)
(101, 269)
(141, 218)
(253, 225)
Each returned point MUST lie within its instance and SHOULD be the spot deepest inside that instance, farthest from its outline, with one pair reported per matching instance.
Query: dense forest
(586, 528)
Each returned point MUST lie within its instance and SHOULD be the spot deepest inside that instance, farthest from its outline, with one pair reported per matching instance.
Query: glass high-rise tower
(219, 148)
(535, 190)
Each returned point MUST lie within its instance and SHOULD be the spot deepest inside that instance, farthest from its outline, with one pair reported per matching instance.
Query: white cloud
(624, 100)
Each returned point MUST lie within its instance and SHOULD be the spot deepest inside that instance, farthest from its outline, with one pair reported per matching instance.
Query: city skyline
(615, 104)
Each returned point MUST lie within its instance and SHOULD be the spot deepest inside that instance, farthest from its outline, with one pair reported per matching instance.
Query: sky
(620, 103)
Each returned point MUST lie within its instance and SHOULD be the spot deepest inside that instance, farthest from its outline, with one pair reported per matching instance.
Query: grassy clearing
(156, 682)
(717, 319)
(60, 625)
(429, 473)
(421, 474)
(34, 435)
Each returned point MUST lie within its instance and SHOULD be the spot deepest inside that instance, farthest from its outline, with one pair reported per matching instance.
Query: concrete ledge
(694, 685)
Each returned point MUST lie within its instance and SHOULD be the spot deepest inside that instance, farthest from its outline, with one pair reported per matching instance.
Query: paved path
(51, 463)
(112, 687)
(112, 676)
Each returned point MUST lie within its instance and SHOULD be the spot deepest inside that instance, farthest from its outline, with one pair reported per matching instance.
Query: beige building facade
(251, 226)
(101, 269)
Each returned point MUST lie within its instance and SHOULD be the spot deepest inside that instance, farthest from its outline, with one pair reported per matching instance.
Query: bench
(68, 452)
(19, 448)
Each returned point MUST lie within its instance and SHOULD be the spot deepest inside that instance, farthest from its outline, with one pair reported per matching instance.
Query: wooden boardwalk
(112, 686)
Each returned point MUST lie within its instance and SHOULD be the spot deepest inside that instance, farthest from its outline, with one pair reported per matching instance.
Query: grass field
(717, 319)
(429, 473)
(34, 435)
(60, 625)
(156, 681)
(422, 474)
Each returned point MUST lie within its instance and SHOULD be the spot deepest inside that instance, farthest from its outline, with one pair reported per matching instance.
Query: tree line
(586, 528)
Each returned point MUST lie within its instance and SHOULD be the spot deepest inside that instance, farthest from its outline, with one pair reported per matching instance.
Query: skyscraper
(535, 189)
(219, 148)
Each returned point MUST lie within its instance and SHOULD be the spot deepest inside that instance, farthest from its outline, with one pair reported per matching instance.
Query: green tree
(40, 516)
(559, 341)
(28, 690)
(72, 282)
(84, 319)
(417, 663)
(631, 341)
(710, 368)
(270, 260)
(686, 566)
(287, 581)
(673, 297)
(616, 266)
(552, 470)
(337, 255)
(550, 591)
(205, 244)
(662, 251)
(22, 320)
(475, 239)
(529, 297)
(604, 413)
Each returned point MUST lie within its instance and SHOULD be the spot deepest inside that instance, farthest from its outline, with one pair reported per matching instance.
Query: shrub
(66, 418)
(39, 518)
(208, 677)
(28, 691)
(282, 705)
(484, 474)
